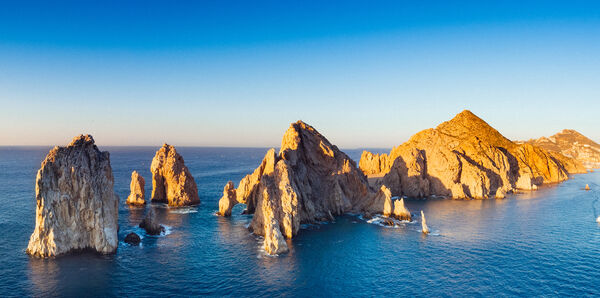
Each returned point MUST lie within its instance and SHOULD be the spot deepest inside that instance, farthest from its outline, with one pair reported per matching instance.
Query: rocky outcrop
(172, 182)
(572, 144)
(465, 158)
(400, 211)
(308, 181)
(133, 239)
(274, 242)
(150, 224)
(137, 195)
(228, 200)
(424, 227)
(77, 208)
(587, 187)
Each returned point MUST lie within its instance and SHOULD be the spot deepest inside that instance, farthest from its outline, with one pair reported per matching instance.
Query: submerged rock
(77, 208)
(228, 200)
(133, 239)
(137, 195)
(465, 158)
(424, 227)
(151, 225)
(172, 182)
(309, 180)
(400, 211)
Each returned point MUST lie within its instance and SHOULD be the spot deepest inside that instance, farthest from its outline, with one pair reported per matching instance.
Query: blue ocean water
(543, 243)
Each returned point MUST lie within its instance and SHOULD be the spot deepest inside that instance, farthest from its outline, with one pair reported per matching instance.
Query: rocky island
(307, 181)
(572, 144)
(77, 208)
(172, 182)
(465, 158)
(137, 195)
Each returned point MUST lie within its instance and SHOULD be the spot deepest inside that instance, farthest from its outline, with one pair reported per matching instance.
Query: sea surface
(543, 243)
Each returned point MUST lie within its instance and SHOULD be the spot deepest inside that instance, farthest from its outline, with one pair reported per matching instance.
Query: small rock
(228, 200)
(150, 224)
(400, 211)
(388, 222)
(587, 187)
(133, 239)
(424, 227)
(137, 195)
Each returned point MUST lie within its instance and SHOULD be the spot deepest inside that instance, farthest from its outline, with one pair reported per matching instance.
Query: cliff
(77, 208)
(571, 143)
(309, 180)
(172, 182)
(464, 158)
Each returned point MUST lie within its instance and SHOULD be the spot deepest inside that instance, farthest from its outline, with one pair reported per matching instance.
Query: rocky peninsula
(172, 182)
(572, 144)
(465, 158)
(77, 208)
(307, 181)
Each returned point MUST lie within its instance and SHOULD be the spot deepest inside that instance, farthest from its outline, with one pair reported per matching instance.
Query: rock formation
(137, 195)
(172, 182)
(228, 200)
(424, 227)
(150, 224)
(309, 180)
(465, 158)
(587, 187)
(274, 242)
(572, 144)
(133, 239)
(77, 208)
(400, 211)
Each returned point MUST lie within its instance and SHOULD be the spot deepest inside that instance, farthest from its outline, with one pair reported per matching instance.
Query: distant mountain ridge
(465, 157)
(572, 144)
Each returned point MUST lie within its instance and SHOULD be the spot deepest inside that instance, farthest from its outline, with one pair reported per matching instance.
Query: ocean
(542, 243)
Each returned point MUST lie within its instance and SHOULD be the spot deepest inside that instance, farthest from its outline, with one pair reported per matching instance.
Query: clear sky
(236, 73)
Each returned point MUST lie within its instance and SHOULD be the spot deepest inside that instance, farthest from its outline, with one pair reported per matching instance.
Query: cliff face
(172, 182)
(572, 144)
(309, 180)
(464, 158)
(77, 208)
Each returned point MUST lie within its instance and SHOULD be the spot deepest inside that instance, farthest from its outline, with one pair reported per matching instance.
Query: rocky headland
(465, 158)
(77, 208)
(309, 180)
(572, 144)
(137, 195)
(172, 182)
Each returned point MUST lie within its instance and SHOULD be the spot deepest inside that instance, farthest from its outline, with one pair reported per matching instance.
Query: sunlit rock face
(309, 180)
(77, 208)
(137, 195)
(465, 158)
(172, 182)
(572, 144)
(228, 200)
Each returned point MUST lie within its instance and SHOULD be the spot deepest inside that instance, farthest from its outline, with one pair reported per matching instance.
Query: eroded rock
(137, 195)
(77, 208)
(400, 211)
(424, 227)
(228, 200)
(172, 182)
(133, 239)
(150, 224)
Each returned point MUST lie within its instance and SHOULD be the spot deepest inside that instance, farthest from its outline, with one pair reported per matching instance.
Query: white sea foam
(184, 210)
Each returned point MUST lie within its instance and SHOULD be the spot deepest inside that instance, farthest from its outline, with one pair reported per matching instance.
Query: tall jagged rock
(228, 200)
(400, 211)
(172, 182)
(424, 227)
(77, 208)
(464, 158)
(572, 144)
(309, 180)
(137, 194)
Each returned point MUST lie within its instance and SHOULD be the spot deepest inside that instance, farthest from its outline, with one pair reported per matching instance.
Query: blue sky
(236, 73)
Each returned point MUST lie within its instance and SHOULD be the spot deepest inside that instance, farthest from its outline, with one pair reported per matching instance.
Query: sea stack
(400, 211)
(172, 182)
(587, 187)
(150, 224)
(228, 200)
(77, 208)
(137, 195)
(424, 227)
(465, 158)
(309, 180)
